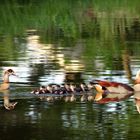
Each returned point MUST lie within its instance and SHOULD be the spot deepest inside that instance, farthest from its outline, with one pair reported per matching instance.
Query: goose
(114, 93)
(6, 83)
(112, 87)
(136, 86)
(117, 87)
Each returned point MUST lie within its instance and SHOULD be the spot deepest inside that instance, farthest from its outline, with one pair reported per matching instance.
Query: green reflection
(90, 28)
(78, 36)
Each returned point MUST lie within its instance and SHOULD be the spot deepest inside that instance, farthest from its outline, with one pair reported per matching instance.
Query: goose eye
(10, 71)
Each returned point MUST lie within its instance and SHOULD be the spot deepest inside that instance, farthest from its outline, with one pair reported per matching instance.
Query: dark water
(77, 41)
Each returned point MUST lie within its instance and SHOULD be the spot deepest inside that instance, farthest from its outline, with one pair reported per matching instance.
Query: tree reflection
(133, 33)
(126, 64)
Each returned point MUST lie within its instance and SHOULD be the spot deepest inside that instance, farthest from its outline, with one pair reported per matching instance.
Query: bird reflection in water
(4, 88)
(111, 97)
(137, 101)
(6, 101)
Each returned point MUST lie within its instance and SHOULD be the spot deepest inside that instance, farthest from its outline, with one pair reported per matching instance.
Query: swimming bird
(115, 91)
(6, 83)
(112, 91)
(136, 86)
(114, 87)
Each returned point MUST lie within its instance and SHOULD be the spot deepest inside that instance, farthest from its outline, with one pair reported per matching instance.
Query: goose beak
(14, 74)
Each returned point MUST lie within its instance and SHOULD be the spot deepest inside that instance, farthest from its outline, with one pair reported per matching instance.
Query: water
(75, 41)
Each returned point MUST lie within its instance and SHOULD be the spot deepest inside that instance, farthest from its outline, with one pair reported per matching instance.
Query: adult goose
(111, 91)
(112, 87)
(6, 83)
(136, 86)
(116, 87)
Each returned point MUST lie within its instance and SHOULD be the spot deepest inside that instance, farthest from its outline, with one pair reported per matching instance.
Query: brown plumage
(137, 82)
(111, 91)
(121, 87)
(112, 87)
(6, 83)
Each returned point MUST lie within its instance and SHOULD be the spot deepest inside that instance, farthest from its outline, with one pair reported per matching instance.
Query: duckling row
(63, 89)
(105, 91)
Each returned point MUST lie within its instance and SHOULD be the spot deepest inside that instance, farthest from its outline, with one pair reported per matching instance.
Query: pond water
(71, 41)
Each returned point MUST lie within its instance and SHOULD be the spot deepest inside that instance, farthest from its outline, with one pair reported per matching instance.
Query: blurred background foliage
(106, 28)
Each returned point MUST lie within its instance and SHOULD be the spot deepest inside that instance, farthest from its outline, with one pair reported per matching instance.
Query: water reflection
(6, 101)
(111, 97)
(72, 118)
(76, 42)
(137, 101)
(77, 119)
(35, 52)
(48, 58)
(94, 123)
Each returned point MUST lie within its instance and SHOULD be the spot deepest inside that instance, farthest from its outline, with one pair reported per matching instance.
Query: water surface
(77, 41)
